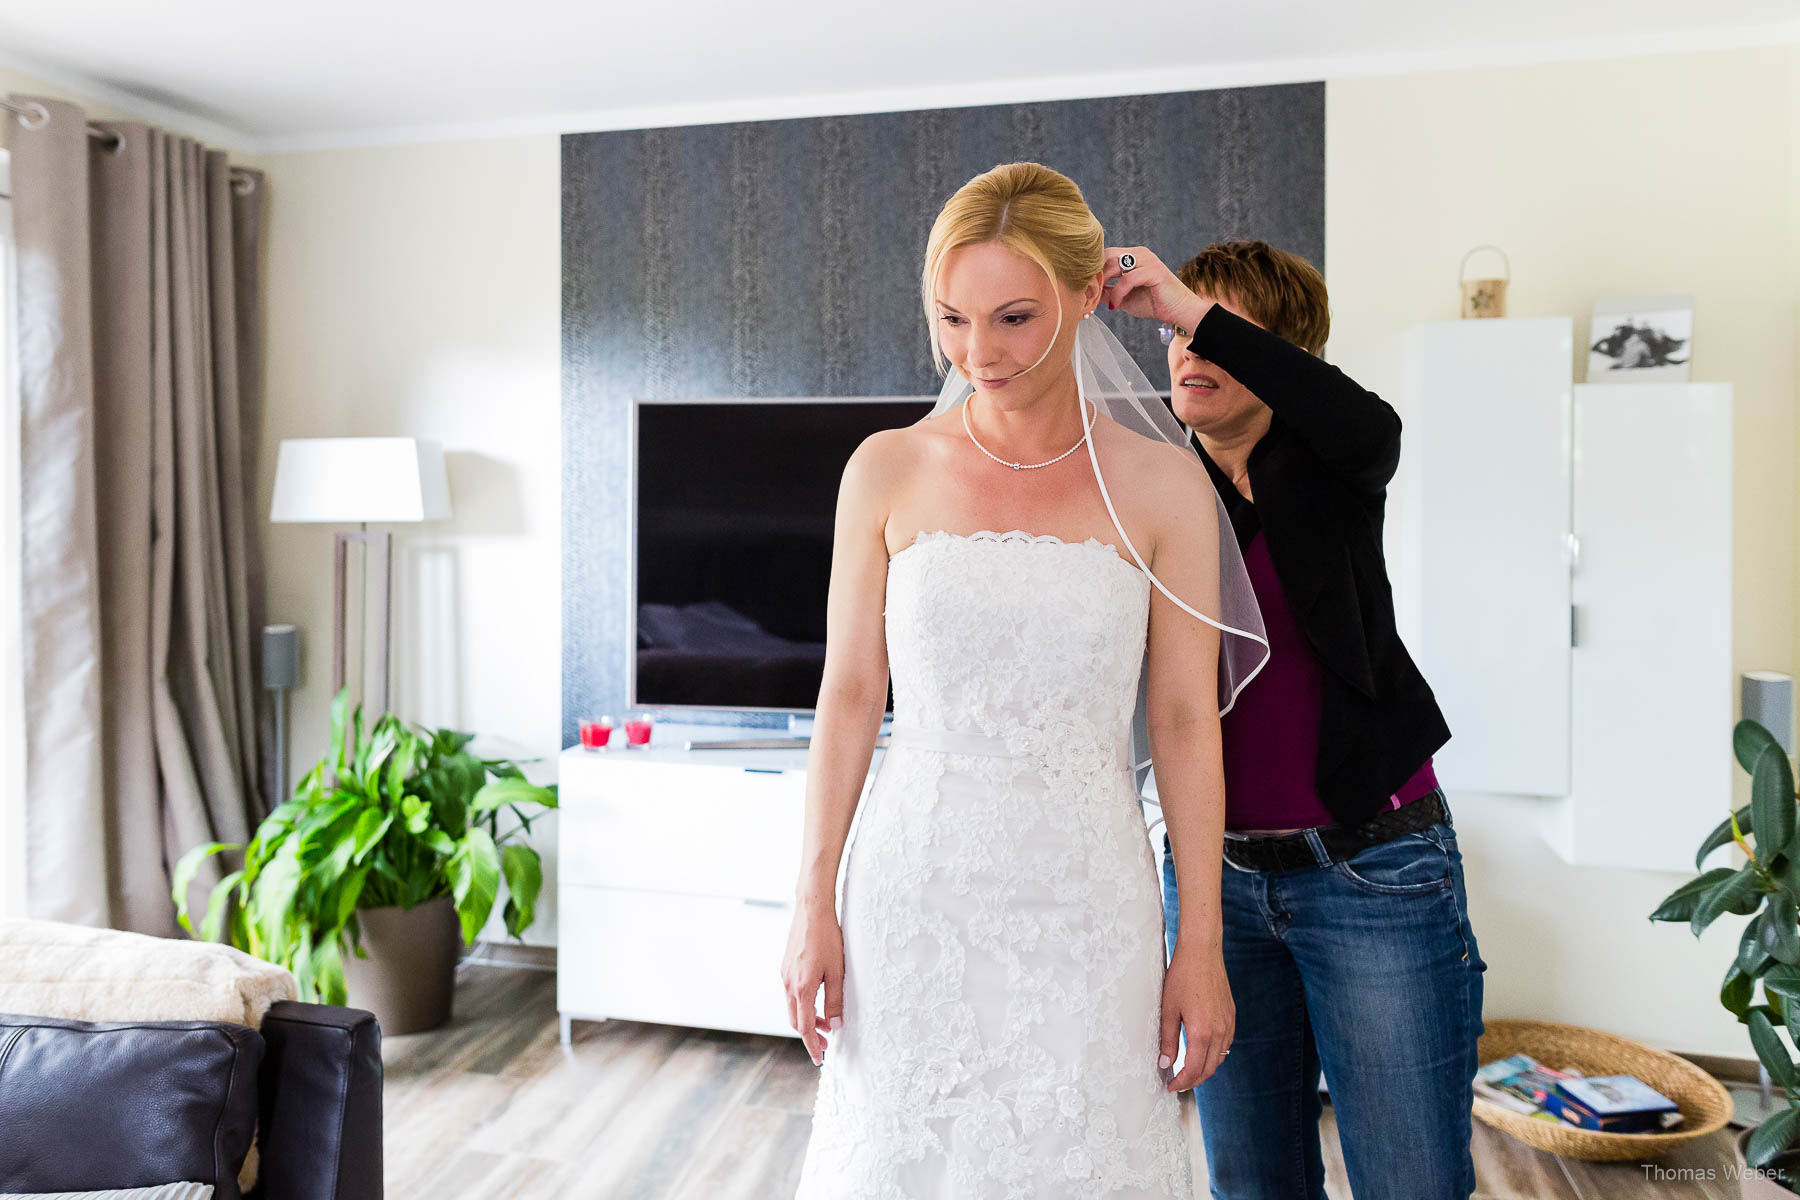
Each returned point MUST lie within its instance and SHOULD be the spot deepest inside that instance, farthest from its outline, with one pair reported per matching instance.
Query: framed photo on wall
(1641, 338)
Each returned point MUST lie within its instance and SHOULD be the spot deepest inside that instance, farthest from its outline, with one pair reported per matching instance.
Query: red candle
(637, 731)
(594, 734)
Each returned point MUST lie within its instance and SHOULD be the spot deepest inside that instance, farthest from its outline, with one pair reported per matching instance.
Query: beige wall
(416, 292)
(1636, 176)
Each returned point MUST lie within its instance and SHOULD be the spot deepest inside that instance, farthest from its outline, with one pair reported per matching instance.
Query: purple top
(1271, 735)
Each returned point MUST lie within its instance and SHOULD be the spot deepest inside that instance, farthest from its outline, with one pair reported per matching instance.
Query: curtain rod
(31, 115)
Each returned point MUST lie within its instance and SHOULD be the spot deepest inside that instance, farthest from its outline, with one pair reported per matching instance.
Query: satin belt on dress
(958, 741)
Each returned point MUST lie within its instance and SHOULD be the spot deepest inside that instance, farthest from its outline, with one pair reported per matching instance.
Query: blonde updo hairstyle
(1026, 207)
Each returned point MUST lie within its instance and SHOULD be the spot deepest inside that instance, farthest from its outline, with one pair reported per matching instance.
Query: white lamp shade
(341, 480)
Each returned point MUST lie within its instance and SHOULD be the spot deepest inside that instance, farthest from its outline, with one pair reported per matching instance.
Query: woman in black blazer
(1346, 934)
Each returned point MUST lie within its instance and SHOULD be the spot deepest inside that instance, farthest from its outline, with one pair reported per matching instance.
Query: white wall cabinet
(1570, 549)
(1652, 682)
(1490, 428)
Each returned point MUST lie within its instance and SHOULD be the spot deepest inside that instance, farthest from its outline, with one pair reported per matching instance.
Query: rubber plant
(395, 816)
(1767, 890)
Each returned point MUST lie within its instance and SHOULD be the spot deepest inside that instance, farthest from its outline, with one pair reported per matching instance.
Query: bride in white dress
(998, 1019)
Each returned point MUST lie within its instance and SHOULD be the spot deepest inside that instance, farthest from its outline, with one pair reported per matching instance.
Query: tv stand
(676, 877)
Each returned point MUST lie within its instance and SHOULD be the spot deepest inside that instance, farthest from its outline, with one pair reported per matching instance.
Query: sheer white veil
(1108, 380)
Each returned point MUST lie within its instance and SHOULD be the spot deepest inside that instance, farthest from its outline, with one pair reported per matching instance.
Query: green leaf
(405, 758)
(1748, 741)
(349, 892)
(1783, 981)
(1722, 835)
(271, 901)
(339, 706)
(1736, 991)
(1772, 1052)
(1733, 895)
(381, 743)
(183, 878)
(1772, 1137)
(1772, 802)
(417, 813)
(474, 881)
(214, 920)
(1753, 954)
(449, 741)
(328, 972)
(524, 879)
(371, 826)
(1780, 928)
(1679, 905)
(512, 790)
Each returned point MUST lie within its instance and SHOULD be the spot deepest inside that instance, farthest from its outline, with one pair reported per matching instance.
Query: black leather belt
(1291, 851)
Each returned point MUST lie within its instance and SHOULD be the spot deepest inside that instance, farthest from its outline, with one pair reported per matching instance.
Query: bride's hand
(1197, 996)
(814, 959)
(1150, 289)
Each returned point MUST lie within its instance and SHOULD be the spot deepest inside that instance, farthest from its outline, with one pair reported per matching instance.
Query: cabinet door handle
(765, 903)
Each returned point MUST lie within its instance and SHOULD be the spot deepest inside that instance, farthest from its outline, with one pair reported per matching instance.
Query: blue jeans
(1368, 969)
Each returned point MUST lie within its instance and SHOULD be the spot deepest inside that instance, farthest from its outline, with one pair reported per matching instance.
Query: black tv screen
(734, 509)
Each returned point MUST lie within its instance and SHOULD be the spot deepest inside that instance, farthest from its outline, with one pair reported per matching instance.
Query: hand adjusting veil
(1108, 379)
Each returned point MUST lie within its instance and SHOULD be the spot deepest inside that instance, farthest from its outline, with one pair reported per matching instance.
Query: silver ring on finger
(1127, 261)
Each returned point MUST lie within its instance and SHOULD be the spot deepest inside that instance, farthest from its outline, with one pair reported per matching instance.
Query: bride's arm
(1182, 714)
(852, 697)
(853, 694)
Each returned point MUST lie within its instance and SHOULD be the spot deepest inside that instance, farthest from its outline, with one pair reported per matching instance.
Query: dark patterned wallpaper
(781, 258)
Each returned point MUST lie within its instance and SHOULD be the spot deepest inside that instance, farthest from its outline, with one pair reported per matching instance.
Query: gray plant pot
(1755, 1186)
(410, 975)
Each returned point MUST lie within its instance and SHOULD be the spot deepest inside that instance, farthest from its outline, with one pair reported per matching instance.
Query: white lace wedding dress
(1001, 910)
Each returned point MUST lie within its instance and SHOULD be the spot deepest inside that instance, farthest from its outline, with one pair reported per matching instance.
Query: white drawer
(716, 831)
(706, 962)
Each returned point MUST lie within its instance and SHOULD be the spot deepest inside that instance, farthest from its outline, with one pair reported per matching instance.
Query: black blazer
(1320, 479)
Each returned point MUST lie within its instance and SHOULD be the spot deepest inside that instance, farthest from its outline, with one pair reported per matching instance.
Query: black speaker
(281, 656)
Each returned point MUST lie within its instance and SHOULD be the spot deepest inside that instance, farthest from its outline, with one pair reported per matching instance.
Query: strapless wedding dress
(1001, 909)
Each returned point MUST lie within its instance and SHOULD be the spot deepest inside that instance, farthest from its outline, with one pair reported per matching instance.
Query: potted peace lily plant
(1766, 889)
(386, 860)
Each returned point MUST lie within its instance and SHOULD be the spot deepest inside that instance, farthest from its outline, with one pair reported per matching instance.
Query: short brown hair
(1282, 292)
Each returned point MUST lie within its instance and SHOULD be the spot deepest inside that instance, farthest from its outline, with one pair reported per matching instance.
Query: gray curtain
(140, 405)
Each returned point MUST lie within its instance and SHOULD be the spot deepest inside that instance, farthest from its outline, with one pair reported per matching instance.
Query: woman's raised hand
(814, 959)
(1149, 288)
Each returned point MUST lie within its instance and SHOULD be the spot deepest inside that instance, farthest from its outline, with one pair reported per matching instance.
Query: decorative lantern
(1484, 297)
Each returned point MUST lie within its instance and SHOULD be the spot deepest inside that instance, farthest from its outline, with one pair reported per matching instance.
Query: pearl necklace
(1017, 466)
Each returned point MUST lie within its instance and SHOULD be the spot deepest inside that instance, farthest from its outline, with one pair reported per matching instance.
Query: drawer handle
(766, 903)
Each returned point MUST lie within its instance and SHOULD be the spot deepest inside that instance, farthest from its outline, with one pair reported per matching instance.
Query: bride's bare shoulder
(1165, 462)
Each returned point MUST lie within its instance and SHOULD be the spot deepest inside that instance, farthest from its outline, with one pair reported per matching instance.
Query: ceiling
(285, 76)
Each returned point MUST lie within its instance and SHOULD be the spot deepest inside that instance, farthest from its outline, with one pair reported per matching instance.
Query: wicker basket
(1705, 1104)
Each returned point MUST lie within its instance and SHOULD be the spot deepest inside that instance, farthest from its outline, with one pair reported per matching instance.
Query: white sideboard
(676, 889)
(677, 874)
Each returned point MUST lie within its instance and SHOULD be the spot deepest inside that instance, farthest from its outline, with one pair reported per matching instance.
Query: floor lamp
(361, 481)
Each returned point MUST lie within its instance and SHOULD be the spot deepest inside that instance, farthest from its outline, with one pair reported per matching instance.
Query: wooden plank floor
(492, 1106)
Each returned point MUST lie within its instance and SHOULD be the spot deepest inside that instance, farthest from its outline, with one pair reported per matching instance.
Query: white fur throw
(80, 974)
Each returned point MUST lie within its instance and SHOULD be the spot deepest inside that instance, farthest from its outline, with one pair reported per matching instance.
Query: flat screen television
(734, 504)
